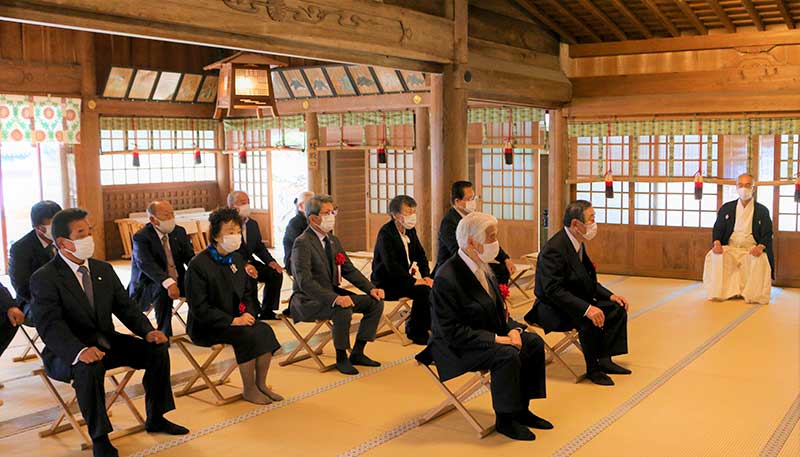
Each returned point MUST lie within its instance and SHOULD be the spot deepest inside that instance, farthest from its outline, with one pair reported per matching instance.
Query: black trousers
(162, 306)
(372, 311)
(272, 287)
(517, 375)
(88, 380)
(419, 323)
(608, 341)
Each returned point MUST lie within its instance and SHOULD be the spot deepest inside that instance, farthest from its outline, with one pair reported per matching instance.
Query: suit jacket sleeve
(20, 271)
(304, 278)
(47, 314)
(144, 258)
(448, 313)
(260, 250)
(719, 226)
(391, 259)
(6, 301)
(765, 231)
(419, 256)
(185, 249)
(603, 293)
(197, 284)
(553, 263)
(127, 311)
(448, 236)
(250, 299)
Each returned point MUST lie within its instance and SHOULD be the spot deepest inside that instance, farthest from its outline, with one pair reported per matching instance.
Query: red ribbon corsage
(242, 308)
(505, 292)
(594, 265)
(339, 259)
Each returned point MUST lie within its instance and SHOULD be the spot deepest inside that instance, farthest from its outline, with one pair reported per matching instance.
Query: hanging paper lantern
(382, 153)
(198, 158)
(508, 152)
(135, 154)
(797, 188)
(698, 186)
(609, 184)
(243, 156)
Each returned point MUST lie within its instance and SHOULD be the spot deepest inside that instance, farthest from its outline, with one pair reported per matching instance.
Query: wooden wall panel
(787, 262)
(517, 238)
(119, 201)
(35, 43)
(349, 191)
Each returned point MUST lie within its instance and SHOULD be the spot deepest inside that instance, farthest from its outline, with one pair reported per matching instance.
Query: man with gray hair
(740, 262)
(568, 296)
(319, 263)
(297, 225)
(472, 330)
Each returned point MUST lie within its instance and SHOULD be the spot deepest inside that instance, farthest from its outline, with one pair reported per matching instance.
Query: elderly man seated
(740, 263)
(472, 330)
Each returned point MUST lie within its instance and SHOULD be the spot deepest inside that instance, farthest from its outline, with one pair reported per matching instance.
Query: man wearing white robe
(740, 261)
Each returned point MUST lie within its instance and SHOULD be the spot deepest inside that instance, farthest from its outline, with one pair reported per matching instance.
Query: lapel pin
(234, 269)
(727, 216)
(99, 278)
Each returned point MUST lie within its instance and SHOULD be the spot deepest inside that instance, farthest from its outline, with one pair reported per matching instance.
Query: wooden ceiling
(594, 21)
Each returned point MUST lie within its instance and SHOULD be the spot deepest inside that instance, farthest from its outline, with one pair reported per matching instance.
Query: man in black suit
(161, 251)
(464, 200)
(320, 262)
(260, 263)
(74, 298)
(568, 296)
(297, 225)
(27, 255)
(397, 250)
(472, 331)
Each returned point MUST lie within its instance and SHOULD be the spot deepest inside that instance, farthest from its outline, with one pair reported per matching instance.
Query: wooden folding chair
(119, 377)
(394, 319)
(455, 400)
(31, 349)
(201, 373)
(175, 311)
(304, 343)
(555, 351)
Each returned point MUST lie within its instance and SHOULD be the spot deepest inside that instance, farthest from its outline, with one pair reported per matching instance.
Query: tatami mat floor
(710, 379)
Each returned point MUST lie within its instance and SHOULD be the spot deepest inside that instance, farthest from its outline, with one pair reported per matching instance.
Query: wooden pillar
(223, 168)
(422, 178)
(87, 153)
(558, 172)
(315, 167)
(440, 191)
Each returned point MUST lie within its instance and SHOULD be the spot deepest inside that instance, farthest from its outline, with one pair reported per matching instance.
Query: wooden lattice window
(607, 210)
(788, 167)
(396, 176)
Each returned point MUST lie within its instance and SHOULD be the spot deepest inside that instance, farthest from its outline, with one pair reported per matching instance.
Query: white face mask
(48, 232)
(167, 226)
(84, 248)
(328, 221)
(409, 222)
(745, 193)
(591, 231)
(490, 251)
(244, 210)
(471, 205)
(231, 243)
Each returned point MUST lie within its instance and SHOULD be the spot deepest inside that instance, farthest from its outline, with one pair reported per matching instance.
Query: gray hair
(576, 210)
(474, 226)
(152, 208)
(232, 196)
(303, 197)
(314, 206)
(752, 178)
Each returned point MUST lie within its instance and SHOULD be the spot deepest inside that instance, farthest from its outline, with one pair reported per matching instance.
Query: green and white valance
(390, 118)
(730, 126)
(40, 119)
(157, 123)
(518, 114)
(295, 121)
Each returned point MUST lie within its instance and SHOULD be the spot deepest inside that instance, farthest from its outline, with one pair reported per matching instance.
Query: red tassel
(136, 162)
(198, 158)
(797, 189)
(609, 185)
(382, 153)
(243, 157)
(698, 186)
(508, 152)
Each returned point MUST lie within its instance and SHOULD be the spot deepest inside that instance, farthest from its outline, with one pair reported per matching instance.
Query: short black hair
(45, 209)
(220, 216)
(396, 205)
(457, 191)
(576, 210)
(63, 218)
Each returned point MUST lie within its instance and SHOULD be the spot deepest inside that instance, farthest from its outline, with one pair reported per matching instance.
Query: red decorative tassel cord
(698, 186)
(243, 156)
(609, 184)
(136, 162)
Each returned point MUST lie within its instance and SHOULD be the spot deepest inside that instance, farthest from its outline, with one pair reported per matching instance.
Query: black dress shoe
(268, 316)
(421, 340)
(531, 420)
(102, 447)
(514, 430)
(600, 378)
(164, 426)
(609, 367)
(345, 367)
(363, 360)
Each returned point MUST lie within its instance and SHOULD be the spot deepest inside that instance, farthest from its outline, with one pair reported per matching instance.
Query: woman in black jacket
(222, 305)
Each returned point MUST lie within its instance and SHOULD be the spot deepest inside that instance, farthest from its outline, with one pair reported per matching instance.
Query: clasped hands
(514, 338)
(345, 301)
(756, 251)
(93, 354)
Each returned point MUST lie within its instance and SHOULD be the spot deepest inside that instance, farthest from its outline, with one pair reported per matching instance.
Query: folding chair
(304, 343)
(201, 373)
(31, 349)
(456, 399)
(175, 311)
(119, 378)
(395, 318)
(562, 346)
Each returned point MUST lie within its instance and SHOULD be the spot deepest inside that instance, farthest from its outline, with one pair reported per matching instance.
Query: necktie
(51, 250)
(490, 280)
(329, 254)
(580, 253)
(86, 280)
(171, 270)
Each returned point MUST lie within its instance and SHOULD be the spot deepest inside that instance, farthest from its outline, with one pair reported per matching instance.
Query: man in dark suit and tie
(27, 255)
(161, 251)
(320, 262)
(297, 225)
(464, 200)
(260, 263)
(472, 331)
(397, 248)
(568, 296)
(74, 298)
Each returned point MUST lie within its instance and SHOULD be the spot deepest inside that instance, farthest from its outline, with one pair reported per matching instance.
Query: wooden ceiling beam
(754, 16)
(785, 13)
(722, 15)
(651, 5)
(632, 17)
(604, 18)
(568, 14)
(689, 13)
(530, 9)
